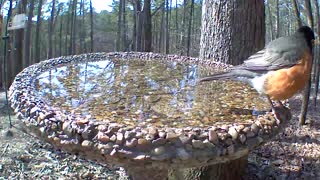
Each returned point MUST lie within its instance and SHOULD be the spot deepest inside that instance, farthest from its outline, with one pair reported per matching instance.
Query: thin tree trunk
(124, 27)
(38, 27)
(18, 43)
(74, 29)
(270, 18)
(317, 62)
(147, 26)
(60, 36)
(51, 30)
(27, 35)
(167, 27)
(162, 29)
(183, 26)
(91, 27)
(119, 32)
(139, 26)
(297, 13)
(278, 18)
(189, 27)
(134, 29)
(306, 95)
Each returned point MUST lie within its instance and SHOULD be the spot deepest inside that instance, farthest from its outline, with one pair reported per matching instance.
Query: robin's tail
(235, 74)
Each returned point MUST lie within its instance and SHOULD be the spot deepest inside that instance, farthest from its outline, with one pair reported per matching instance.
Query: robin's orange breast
(284, 83)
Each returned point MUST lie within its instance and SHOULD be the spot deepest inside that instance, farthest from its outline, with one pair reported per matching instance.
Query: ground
(293, 154)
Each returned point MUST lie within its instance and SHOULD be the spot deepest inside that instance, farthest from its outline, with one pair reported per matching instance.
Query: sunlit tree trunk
(147, 26)
(316, 60)
(91, 28)
(306, 95)
(232, 30)
(27, 41)
(51, 31)
(189, 27)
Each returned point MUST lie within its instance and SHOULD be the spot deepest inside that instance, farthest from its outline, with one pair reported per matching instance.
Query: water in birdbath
(141, 92)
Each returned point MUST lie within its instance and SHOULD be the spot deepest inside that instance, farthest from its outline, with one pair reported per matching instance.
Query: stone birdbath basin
(145, 112)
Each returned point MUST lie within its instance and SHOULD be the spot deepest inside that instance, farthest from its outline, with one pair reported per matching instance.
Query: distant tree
(37, 34)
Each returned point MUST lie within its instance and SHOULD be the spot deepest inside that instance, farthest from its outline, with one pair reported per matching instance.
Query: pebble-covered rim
(114, 143)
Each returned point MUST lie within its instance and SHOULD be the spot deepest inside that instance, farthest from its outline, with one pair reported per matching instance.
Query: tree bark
(38, 27)
(147, 26)
(306, 94)
(27, 41)
(189, 27)
(278, 18)
(231, 30)
(17, 65)
(91, 28)
(297, 13)
(51, 31)
(316, 60)
(119, 42)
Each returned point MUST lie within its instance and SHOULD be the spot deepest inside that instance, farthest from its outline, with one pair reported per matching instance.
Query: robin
(278, 71)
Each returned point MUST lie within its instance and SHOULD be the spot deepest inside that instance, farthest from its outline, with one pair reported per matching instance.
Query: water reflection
(146, 92)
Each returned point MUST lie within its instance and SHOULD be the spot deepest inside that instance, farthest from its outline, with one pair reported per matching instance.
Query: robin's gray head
(308, 35)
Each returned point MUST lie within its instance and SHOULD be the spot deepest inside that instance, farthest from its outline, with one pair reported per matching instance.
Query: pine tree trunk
(38, 27)
(147, 26)
(27, 41)
(51, 31)
(91, 28)
(189, 27)
(232, 30)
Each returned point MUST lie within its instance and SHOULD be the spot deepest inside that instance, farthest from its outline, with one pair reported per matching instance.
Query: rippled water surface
(136, 92)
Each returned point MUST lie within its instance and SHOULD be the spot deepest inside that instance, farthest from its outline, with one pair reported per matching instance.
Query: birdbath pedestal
(145, 112)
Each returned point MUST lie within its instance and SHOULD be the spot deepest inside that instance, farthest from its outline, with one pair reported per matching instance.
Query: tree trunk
(297, 13)
(306, 94)
(37, 41)
(124, 27)
(91, 27)
(27, 35)
(119, 46)
(51, 31)
(270, 19)
(17, 65)
(139, 22)
(147, 26)
(183, 27)
(278, 18)
(189, 27)
(167, 44)
(316, 60)
(232, 30)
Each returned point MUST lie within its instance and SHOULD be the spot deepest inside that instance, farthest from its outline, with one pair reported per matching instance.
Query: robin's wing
(280, 53)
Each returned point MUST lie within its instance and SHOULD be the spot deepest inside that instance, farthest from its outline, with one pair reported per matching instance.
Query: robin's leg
(271, 103)
(280, 104)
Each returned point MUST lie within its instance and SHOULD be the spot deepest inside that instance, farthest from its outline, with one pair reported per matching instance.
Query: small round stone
(86, 144)
(197, 144)
(119, 138)
(233, 132)
(213, 136)
(131, 143)
(102, 137)
(242, 138)
(159, 150)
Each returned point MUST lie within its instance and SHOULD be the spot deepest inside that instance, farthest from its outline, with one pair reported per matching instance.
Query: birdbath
(145, 112)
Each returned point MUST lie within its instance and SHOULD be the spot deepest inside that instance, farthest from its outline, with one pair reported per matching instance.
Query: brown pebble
(103, 137)
(213, 136)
